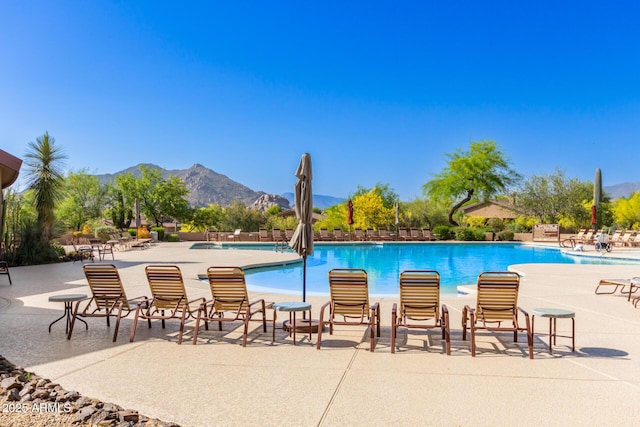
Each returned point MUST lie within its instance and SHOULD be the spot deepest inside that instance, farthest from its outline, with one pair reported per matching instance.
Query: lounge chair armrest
(470, 313)
(374, 307)
(322, 309)
(261, 309)
(193, 301)
(204, 304)
(466, 312)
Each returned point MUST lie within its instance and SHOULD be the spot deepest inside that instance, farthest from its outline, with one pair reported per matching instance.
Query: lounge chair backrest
(402, 232)
(349, 292)
(228, 288)
(420, 294)
(167, 287)
(106, 286)
(497, 296)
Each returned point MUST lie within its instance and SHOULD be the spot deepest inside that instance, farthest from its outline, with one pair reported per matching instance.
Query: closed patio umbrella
(350, 214)
(302, 240)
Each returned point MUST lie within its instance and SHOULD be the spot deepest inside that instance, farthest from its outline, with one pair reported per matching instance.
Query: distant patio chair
(324, 235)
(83, 250)
(288, 233)
(415, 235)
(428, 235)
(403, 235)
(625, 239)
(4, 269)
(235, 235)
(338, 235)
(358, 234)
(264, 235)
(383, 234)
(277, 235)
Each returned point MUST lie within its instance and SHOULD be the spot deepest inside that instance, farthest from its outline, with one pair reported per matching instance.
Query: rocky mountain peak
(266, 201)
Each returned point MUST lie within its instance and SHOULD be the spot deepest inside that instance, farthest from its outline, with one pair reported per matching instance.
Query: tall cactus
(597, 198)
(597, 188)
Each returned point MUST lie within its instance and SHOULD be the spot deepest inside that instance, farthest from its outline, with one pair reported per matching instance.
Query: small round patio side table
(68, 300)
(292, 308)
(553, 314)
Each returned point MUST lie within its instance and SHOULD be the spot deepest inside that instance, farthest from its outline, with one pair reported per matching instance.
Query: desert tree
(480, 173)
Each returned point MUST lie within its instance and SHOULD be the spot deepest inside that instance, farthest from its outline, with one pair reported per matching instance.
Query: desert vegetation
(55, 203)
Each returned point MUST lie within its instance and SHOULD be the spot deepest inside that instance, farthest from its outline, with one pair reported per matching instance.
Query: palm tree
(45, 178)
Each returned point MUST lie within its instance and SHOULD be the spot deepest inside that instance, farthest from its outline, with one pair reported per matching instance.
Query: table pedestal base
(302, 325)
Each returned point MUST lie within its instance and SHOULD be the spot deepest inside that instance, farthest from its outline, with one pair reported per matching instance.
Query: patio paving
(218, 382)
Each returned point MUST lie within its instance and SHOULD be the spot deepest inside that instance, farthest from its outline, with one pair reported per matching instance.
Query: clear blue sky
(374, 91)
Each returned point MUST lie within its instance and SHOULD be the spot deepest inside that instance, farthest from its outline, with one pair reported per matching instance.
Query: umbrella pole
(304, 282)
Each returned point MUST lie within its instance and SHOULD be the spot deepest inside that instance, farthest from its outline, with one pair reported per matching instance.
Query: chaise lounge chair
(349, 298)
(108, 297)
(169, 298)
(325, 236)
(497, 302)
(420, 303)
(230, 301)
(264, 235)
(633, 284)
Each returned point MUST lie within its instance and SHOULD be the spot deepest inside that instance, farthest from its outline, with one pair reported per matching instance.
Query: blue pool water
(457, 263)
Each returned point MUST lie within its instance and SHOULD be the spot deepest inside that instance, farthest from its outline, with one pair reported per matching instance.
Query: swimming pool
(457, 263)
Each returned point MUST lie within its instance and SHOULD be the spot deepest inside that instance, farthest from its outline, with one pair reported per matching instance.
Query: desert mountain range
(207, 186)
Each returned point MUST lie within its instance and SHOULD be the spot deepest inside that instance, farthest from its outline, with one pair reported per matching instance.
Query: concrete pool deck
(218, 382)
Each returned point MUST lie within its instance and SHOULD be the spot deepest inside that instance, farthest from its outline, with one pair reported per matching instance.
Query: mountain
(205, 186)
(319, 201)
(622, 190)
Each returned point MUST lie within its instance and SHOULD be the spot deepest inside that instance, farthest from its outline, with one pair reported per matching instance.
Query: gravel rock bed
(29, 400)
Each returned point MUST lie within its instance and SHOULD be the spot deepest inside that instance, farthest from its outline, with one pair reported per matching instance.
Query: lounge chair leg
(73, 321)
(135, 321)
(182, 321)
(472, 334)
(394, 325)
(197, 328)
(115, 333)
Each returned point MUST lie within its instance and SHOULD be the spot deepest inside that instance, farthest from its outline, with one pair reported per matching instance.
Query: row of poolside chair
(419, 305)
(629, 238)
(382, 234)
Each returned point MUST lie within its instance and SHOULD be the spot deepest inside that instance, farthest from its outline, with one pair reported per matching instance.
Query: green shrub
(495, 224)
(442, 232)
(132, 231)
(470, 234)
(505, 235)
(104, 233)
(464, 234)
(160, 231)
(173, 238)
